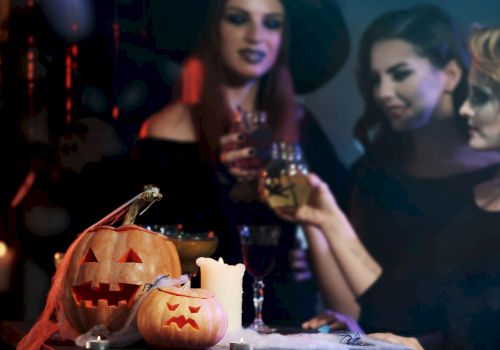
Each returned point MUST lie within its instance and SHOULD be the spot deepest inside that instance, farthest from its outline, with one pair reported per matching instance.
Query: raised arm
(357, 266)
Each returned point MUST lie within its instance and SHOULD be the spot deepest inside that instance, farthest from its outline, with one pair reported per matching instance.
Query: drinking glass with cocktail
(190, 245)
(284, 183)
(259, 246)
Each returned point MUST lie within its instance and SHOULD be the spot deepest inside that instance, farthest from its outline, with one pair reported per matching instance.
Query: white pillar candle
(6, 263)
(226, 282)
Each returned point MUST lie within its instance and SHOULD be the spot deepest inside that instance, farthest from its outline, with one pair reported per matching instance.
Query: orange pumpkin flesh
(107, 272)
(177, 318)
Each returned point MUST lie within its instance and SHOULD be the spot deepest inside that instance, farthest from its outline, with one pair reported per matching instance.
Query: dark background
(117, 66)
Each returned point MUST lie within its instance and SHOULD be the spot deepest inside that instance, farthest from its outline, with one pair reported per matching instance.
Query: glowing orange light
(3, 249)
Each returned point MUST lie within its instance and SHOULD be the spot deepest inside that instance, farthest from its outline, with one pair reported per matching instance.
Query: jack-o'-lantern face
(183, 318)
(180, 317)
(107, 272)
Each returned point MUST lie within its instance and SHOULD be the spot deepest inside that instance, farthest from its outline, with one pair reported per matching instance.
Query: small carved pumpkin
(107, 272)
(181, 318)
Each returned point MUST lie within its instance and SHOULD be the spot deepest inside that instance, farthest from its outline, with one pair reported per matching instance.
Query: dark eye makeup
(238, 17)
(273, 23)
(401, 74)
(478, 96)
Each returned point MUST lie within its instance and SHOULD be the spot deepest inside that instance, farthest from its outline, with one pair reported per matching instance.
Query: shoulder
(173, 122)
(487, 195)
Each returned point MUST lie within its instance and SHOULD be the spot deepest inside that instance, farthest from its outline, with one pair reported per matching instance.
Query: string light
(115, 112)
(30, 65)
(71, 66)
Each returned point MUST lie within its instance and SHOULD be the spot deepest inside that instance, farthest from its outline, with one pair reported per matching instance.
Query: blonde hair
(485, 48)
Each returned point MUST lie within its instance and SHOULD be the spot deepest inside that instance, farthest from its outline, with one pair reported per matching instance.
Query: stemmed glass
(190, 245)
(257, 134)
(258, 247)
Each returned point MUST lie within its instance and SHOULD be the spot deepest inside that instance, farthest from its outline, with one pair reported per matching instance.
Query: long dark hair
(436, 36)
(212, 114)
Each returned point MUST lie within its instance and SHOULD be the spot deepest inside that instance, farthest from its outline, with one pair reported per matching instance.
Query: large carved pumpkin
(108, 270)
(181, 318)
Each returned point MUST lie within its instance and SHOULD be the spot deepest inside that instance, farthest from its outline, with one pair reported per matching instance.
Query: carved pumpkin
(107, 272)
(181, 318)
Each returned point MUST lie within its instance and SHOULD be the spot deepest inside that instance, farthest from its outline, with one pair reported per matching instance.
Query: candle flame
(221, 260)
(241, 340)
(98, 338)
(3, 249)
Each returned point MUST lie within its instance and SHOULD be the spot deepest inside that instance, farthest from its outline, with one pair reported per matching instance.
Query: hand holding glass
(247, 147)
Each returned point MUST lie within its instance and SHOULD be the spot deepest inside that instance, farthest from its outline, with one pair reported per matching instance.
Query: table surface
(12, 332)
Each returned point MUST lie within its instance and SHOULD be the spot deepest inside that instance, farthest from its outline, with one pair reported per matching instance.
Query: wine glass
(190, 245)
(257, 135)
(258, 247)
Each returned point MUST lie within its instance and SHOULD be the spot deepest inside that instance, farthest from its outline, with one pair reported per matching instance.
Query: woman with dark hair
(250, 57)
(416, 174)
(418, 168)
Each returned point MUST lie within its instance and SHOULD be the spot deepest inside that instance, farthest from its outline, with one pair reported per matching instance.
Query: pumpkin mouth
(90, 296)
(181, 321)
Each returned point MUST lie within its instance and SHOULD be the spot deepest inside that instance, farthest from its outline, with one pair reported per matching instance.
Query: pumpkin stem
(150, 195)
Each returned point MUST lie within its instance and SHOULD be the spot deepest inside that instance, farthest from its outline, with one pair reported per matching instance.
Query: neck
(440, 149)
(243, 96)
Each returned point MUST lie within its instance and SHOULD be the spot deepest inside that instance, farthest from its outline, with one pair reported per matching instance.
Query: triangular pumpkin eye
(130, 257)
(194, 309)
(89, 257)
(172, 307)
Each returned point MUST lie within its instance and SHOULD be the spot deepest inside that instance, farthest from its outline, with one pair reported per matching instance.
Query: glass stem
(258, 299)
